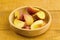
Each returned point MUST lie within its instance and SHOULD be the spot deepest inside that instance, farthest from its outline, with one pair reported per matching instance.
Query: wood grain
(51, 5)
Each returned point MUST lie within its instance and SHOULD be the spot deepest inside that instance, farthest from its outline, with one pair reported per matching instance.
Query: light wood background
(6, 6)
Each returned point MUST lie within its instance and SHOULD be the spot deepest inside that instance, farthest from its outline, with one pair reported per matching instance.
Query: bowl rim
(30, 6)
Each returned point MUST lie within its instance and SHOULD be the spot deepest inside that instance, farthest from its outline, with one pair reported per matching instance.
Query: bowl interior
(47, 18)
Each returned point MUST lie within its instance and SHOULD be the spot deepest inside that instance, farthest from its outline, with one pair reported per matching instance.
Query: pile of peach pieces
(29, 18)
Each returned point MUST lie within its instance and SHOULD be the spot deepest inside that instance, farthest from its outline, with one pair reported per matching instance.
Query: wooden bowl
(30, 33)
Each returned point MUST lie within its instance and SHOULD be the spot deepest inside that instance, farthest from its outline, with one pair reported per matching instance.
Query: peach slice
(37, 24)
(19, 14)
(32, 10)
(19, 23)
(28, 19)
(41, 14)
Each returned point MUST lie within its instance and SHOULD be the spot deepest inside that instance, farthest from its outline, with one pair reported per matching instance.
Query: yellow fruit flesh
(29, 19)
(18, 23)
(17, 14)
(41, 14)
(37, 24)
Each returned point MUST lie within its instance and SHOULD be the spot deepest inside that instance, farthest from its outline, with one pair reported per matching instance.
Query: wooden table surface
(6, 6)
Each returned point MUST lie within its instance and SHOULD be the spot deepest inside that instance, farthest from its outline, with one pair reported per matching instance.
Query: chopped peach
(37, 24)
(19, 23)
(41, 14)
(19, 14)
(28, 19)
(32, 10)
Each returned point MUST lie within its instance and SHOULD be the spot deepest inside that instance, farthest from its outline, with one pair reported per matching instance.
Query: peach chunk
(28, 19)
(37, 24)
(18, 23)
(19, 14)
(32, 10)
(41, 14)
